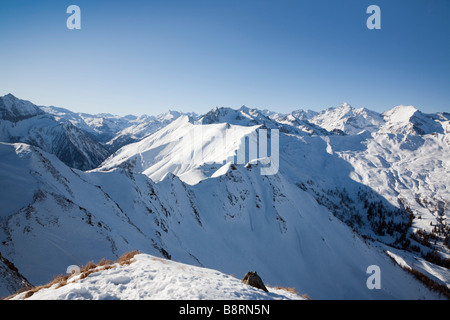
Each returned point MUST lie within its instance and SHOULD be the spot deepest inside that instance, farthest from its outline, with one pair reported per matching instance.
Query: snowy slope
(359, 163)
(333, 208)
(140, 128)
(180, 148)
(150, 277)
(52, 217)
(400, 176)
(234, 223)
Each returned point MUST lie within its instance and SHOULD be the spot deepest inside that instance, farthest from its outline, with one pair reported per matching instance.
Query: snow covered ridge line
(137, 276)
(258, 150)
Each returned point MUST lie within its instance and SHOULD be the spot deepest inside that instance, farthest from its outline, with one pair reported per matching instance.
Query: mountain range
(354, 188)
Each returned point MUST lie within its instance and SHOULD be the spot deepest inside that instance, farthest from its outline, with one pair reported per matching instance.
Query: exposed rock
(254, 280)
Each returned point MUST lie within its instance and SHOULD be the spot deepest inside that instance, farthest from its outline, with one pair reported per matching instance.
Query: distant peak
(9, 97)
(170, 115)
(303, 114)
(244, 109)
(400, 113)
(220, 110)
(410, 120)
(15, 109)
(405, 108)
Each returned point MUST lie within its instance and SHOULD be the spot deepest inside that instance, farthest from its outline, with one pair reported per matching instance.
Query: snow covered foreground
(149, 277)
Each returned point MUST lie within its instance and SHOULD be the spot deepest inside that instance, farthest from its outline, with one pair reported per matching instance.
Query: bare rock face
(254, 280)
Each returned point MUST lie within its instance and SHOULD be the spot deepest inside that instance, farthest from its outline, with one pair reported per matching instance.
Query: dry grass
(127, 257)
(305, 296)
(86, 270)
(92, 267)
(58, 281)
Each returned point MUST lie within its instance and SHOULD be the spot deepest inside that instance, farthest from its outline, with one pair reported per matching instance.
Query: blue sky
(145, 57)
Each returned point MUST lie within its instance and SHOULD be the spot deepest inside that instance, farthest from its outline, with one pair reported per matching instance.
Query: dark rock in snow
(254, 280)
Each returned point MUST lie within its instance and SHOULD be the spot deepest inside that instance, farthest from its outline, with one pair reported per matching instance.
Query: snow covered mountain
(409, 120)
(13, 109)
(22, 121)
(142, 127)
(236, 222)
(347, 119)
(113, 131)
(345, 195)
(82, 141)
(178, 149)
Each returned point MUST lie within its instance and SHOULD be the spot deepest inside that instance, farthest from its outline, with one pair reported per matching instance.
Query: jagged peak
(245, 109)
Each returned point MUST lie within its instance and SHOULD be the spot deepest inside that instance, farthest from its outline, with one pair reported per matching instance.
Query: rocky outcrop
(254, 280)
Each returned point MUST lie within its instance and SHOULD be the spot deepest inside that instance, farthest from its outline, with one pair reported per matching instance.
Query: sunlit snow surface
(150, 277)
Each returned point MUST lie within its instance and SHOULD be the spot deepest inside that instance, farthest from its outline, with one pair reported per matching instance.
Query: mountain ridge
(338, 189)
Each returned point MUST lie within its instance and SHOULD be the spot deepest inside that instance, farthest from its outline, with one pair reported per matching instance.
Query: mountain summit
(409, 120)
